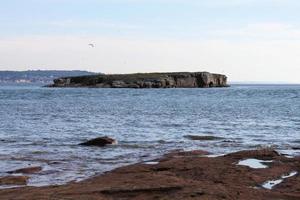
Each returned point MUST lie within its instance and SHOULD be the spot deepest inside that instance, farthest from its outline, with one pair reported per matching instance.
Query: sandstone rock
(100, 142)
(262, 154)
(186, 176)
(27, 170)
(14, 180)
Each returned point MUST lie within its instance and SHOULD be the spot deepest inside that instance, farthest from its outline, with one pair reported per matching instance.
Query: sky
(248, 40)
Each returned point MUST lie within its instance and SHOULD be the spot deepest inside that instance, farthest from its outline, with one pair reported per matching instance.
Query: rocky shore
(145, 80)
(249, 175)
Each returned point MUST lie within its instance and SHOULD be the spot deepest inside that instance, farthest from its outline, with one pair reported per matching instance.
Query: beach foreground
(257, 174)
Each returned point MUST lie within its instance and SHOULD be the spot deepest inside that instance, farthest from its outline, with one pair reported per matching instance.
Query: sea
(43, 126)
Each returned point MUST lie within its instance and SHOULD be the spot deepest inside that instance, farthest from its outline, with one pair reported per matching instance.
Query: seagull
(91, 45)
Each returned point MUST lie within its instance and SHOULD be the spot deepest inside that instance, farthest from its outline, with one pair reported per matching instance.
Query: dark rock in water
(100, 142)
(14, 180)
(202, 137)
(296, 148)
(27, 170)
(146, 80)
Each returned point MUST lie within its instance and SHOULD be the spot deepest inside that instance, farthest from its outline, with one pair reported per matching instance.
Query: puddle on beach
(151, 163)
(270, 184)
(214, 155)
(254, 163)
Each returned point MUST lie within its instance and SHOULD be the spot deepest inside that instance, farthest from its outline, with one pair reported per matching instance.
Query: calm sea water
(43, 126)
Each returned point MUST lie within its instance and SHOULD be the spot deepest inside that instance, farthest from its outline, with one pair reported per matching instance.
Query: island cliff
(145, 80)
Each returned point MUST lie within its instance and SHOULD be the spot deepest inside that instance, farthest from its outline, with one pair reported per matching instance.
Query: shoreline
(185, 175)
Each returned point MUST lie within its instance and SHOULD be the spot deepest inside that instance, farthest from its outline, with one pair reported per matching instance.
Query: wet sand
(184, 175)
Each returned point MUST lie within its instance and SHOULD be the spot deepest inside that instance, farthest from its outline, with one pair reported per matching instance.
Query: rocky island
(145, 80)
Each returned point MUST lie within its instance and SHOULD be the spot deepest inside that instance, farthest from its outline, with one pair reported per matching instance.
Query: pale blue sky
(245, 39)
(154, 18)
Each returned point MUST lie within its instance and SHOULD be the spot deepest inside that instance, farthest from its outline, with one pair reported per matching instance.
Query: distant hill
(38, 76)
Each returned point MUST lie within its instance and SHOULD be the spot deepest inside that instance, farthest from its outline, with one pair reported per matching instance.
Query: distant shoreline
(38, 76)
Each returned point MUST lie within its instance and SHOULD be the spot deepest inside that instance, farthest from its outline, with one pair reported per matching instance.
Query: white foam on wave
(289, 153)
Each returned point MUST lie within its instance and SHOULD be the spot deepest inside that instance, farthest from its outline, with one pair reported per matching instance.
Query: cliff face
(145, 80)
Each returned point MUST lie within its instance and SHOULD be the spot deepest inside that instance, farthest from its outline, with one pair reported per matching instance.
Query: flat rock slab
(27, 170)
(180, 176)
(14, 180)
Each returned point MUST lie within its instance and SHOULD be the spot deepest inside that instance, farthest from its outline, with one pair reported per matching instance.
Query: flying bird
(92, 45)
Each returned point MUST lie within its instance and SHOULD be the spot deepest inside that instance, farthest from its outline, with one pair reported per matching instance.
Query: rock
(202, 137)
(14, 180)
(181, 177)
(296, 148)
(146, 80)
(261, 154)
(118, 84)
(100, 142)
(133, 85)
(27, 170)
(142, 189)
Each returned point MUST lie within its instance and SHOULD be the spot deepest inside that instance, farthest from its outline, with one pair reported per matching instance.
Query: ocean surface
(43, 126)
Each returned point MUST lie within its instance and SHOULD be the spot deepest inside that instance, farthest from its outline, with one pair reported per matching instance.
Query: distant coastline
(38, 76)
